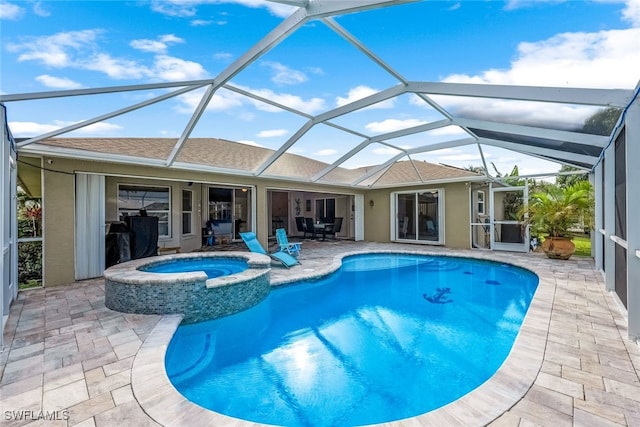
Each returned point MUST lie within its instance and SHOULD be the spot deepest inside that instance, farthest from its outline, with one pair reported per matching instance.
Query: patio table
(321, 227)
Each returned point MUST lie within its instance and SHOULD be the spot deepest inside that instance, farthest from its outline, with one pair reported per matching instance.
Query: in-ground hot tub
(200, 286)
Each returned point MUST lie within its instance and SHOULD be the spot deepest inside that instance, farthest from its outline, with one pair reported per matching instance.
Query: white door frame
(9, 224)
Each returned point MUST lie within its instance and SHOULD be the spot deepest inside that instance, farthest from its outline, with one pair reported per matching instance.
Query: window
(481, 202)
(187, 211)
(156, 201)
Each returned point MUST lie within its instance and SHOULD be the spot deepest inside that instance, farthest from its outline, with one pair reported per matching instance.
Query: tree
(602, 122)
(565, 181)
(29, 215)
(554, 210)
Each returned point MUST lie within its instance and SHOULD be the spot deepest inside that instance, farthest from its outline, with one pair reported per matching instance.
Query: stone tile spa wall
(192, 294)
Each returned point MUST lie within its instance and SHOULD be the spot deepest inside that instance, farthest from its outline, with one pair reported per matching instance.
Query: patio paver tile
(87, 409)
(65, 396)
(582, 418)
(575, 335)
(603, 411)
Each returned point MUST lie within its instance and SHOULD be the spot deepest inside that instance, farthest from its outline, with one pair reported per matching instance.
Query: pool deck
(572, 363)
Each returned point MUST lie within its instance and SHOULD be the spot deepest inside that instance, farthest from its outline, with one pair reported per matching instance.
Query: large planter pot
(558, 247)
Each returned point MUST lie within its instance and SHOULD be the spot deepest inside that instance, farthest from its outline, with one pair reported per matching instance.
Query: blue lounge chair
(254, 245)
(283, 241)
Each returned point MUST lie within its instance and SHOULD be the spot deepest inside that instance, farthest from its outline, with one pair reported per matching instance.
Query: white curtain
(90, 226)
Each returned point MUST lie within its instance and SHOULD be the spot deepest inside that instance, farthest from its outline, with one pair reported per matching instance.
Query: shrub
(29, 261)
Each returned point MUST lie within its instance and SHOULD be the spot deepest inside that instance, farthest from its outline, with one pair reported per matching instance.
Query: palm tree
(554, 210)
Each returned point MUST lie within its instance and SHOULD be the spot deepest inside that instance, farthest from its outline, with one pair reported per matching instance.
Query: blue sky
(56, 45)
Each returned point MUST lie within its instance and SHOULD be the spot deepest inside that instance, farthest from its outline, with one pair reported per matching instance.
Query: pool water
(385, 338)
(211, 266)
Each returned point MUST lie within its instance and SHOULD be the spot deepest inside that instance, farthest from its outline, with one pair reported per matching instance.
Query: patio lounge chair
(283, 241)
(254, 245)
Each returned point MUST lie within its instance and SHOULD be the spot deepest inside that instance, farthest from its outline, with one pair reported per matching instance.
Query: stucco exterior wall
(58, 219)
(456, 212)
(59, 205)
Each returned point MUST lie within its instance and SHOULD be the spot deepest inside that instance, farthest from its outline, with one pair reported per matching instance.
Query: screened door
(507, 232)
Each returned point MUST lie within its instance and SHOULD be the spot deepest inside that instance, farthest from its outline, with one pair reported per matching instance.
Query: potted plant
(553, 211)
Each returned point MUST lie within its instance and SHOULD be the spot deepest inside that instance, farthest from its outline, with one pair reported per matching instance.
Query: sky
(57, 45)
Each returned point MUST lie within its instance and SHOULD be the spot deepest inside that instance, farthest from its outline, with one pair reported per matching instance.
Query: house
(410, 201)
(88, 183)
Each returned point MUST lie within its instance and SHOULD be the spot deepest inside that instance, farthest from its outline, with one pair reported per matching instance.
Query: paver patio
(571, 365)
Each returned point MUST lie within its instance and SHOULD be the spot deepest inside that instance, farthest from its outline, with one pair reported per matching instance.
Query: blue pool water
(387, 337)
(213, 267)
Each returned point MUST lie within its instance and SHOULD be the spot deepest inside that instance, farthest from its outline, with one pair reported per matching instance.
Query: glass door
(325, 210)
(229, 212)
(242, 211)
(419, 216)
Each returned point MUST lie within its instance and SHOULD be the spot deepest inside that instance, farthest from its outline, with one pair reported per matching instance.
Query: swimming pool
(212, 267)
(385, 338)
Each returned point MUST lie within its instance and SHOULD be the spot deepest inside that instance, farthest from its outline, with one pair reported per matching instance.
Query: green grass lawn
(583, 245)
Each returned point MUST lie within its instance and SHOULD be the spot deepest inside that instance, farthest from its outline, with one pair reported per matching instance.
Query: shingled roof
(220, 155)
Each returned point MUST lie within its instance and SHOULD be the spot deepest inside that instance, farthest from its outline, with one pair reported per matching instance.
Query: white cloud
(55, 50)
(360, 92)
(226, 100)
(156, 46)
(146, 45)
(385, 150)
(462, 157)
(309, 106)
(78, 49)
(207, 22)
(631, 12)
(10, 11)
(222, 100)
(58, 82)
(272, 133)
(188, 8)
(249, 142)
(116, 68)
(315, 70)
(169, 68)
(39, 10)
(325, 152)
(27, 129)
(283, 75)
(177, 8)
(606, 59)
(223, 56)
(390, 125)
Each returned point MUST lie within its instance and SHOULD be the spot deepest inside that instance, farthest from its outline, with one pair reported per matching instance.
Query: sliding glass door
(419, 216)
(230, 210)
(325, 210)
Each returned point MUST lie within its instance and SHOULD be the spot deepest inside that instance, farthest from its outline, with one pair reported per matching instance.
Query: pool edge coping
(162, 402)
